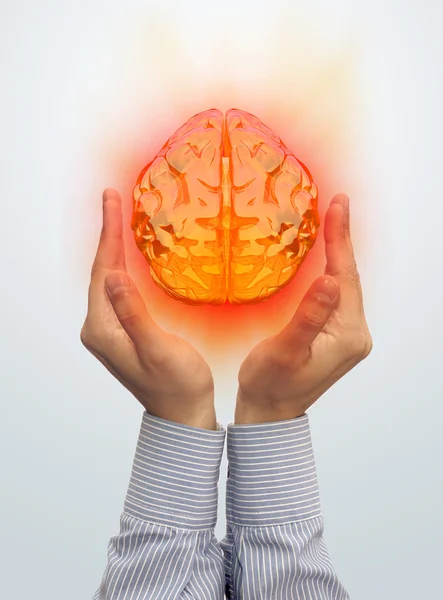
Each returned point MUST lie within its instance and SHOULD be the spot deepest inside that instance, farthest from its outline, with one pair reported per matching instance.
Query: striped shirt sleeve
(274, 546)
(166, 548)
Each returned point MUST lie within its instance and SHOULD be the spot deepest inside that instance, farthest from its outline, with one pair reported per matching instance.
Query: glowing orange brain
(224, 211)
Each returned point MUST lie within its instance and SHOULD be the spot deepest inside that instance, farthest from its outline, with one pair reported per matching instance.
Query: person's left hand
(164, 372)
(327, 336)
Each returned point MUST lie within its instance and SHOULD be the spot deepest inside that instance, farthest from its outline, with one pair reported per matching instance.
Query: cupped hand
(164, 372)
(327, 336)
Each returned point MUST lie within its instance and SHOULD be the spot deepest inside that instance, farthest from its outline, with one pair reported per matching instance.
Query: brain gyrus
(224, 212)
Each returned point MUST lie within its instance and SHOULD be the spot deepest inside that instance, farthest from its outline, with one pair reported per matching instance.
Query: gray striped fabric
(273, 548)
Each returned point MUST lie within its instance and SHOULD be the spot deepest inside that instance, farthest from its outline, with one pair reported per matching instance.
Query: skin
(281, 377)
(327, 336)
(165, 373)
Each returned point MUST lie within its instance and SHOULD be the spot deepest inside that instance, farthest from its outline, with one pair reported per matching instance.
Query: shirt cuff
(174, 479)
(272, 477)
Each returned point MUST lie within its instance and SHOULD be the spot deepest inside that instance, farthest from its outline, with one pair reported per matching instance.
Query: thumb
(130, 309)
(312, 314)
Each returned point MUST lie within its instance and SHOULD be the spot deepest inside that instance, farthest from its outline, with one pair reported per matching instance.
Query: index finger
(340, 257)
(111, 251)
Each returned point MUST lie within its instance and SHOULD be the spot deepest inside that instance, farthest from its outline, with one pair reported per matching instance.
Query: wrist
(202, 420)
(249, 411)
(202, 417)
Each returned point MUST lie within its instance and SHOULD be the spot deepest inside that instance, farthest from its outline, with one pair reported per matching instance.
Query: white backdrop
(83, 85)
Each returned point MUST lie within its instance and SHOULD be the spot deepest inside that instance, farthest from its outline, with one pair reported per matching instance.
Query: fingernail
(342, 199)
(116, 283)
(107, 193)
(326, 290)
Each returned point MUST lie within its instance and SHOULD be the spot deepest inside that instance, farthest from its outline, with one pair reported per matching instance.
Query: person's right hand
(164, 372)
(327, 336)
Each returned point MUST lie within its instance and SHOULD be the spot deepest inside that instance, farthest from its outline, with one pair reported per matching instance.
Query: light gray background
(68, 430)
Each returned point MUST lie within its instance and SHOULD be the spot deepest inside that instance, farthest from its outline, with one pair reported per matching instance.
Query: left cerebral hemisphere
(224, 212)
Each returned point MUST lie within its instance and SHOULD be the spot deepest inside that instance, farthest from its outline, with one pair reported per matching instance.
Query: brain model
(224, 212)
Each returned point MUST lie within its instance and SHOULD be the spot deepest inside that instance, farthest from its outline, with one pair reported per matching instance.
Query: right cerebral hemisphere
(224, 212)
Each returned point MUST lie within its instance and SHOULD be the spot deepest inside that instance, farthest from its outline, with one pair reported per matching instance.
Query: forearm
(274, 545)
(166, 545)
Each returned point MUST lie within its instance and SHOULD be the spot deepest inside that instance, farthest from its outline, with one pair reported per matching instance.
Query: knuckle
(311, 321)
(130, 318)
(88, 337)
(369, 345)
(158, 359)
(278, 354)
(353, 274)
(85, 335)
(94, 269)
(360, 345)
(284, 360)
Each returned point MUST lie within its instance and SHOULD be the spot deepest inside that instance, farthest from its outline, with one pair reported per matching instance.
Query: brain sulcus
(224, 212)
